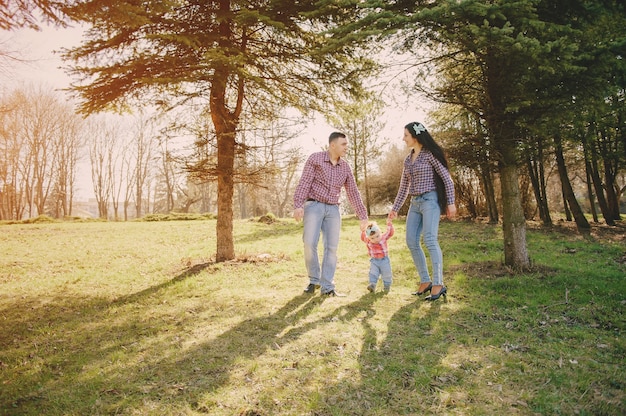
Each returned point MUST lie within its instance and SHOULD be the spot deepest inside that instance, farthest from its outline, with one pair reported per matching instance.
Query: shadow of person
(394, 371)
(207, 366)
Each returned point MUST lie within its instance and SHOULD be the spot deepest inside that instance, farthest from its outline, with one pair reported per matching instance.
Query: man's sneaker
(333, 293)
(387, 289)
(371, 288)
(311, 288)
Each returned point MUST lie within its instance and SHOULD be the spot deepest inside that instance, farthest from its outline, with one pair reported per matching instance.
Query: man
(317, 201)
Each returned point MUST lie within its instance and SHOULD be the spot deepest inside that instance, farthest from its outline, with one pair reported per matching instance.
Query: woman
(425, 161)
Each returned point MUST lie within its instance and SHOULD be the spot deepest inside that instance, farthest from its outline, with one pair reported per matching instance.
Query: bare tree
(40, 143)
(12, 185)
(70, 142)
(105, 138)
(359, 120)
(143, 142)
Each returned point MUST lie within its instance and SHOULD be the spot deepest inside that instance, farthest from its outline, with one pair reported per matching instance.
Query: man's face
(340, 146)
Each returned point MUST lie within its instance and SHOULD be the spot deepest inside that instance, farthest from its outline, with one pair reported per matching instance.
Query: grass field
(135, 318)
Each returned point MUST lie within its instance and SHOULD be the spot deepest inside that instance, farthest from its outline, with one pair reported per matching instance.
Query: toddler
(380, 265)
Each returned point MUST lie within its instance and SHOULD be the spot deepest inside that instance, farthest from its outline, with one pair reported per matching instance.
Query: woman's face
(408, 139)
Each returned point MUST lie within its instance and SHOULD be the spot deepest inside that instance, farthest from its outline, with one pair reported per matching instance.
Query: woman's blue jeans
(325, 219)
(423, 218)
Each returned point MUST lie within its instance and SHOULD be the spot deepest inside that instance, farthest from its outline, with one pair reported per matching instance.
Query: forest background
(527, 98)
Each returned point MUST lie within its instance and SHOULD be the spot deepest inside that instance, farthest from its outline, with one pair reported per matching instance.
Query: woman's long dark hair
(419, 132)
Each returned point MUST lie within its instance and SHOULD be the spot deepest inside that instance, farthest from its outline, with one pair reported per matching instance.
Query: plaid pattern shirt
(378, 250)
(418, 177)
(322, 181)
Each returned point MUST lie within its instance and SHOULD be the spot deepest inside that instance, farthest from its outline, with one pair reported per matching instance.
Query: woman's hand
(451, 211)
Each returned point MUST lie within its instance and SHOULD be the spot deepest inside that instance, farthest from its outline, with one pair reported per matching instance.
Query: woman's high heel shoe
(432, 297)
(427, 289)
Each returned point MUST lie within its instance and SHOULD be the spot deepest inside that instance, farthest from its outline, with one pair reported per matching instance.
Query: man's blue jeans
(423, 218)
(325, 219)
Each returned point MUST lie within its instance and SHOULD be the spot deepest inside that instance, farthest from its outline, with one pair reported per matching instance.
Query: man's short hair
(334, 136)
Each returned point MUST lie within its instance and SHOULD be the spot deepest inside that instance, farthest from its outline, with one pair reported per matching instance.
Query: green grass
(135, 318)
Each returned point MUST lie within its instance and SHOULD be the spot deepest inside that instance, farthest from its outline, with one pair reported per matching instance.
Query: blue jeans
(325, 219)
(423, 218)
(382, 268)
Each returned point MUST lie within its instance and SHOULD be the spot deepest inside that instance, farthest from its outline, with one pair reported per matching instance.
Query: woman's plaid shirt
(418, 177)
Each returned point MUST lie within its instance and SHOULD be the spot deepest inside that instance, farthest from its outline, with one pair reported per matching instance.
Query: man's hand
(392, 215)
(298, 213)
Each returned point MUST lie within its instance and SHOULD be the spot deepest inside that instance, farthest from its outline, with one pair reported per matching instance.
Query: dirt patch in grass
(495, 269)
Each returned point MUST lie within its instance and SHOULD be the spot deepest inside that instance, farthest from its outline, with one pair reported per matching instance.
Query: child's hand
(389, 221)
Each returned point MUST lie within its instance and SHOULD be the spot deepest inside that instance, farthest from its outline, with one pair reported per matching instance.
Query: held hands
(392, 216)
(364, 225)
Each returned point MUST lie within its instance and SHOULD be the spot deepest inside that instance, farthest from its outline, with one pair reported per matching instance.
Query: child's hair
(372, 228)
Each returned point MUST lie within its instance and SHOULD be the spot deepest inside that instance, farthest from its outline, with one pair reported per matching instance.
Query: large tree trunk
(225, 122)
(568, 191)
(225, 187)
(225, 132)
(513, 221)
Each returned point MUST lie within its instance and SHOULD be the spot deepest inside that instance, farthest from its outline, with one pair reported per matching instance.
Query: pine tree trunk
(225, 123)
(513, 220)
(225, 190)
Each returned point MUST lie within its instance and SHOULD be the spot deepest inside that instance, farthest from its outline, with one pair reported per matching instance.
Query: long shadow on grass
(42, 339)
(26, 314)
(213, 364)
(186, 376)
(398, 374)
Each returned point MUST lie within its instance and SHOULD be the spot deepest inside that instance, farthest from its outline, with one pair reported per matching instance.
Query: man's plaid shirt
(322, 181)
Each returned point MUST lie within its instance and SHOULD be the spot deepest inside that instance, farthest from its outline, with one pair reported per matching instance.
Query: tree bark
(592, 163)
(490, 194)
(568, 191)
(592, 199)
(513, 221)
(534, 163)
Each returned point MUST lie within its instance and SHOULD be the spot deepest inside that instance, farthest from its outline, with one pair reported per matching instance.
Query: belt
(423, 193)
(321, 202)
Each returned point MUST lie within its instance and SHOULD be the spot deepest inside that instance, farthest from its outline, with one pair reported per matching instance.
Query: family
(316, 202)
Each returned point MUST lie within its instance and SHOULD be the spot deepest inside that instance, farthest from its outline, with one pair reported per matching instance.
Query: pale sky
(41, 66)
